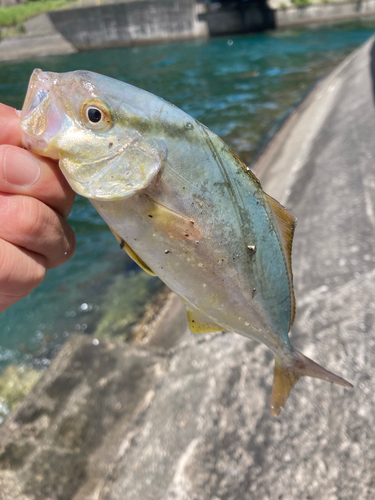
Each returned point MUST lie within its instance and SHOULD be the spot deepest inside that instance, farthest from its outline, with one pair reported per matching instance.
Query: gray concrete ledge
(312, 14)
(24, 47)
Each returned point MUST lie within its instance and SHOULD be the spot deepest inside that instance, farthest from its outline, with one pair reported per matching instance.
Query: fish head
(95, 126)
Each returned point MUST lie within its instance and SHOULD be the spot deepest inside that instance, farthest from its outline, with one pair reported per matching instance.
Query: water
(240, 88)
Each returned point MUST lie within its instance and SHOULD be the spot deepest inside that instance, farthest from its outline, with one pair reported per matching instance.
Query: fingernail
(20, 169)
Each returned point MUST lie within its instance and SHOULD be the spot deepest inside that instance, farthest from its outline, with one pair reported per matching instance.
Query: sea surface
(241, 87)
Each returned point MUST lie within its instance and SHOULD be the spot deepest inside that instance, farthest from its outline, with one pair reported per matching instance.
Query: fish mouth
(41, 119)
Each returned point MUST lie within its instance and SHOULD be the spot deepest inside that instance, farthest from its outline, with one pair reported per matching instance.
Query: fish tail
(285, 376)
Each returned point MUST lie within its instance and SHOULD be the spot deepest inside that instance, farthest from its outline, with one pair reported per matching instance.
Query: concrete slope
(25, 47)
(193, 420)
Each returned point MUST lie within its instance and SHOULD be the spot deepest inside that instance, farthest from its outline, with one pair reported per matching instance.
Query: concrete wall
(323, 12)
(9, 3)
(133, 23)
(139, 22)
(282, 4)
(125, 23)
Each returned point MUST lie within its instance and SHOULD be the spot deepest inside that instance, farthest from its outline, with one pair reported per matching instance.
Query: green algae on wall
(16, 14)
(15, 382)
(124, 305)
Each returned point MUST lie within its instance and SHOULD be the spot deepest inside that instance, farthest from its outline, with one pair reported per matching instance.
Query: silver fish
(181, 204)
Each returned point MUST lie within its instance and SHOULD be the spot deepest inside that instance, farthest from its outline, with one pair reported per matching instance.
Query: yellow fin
(286, 376)
(136, 259)
(199, 324)
(283, 383)
(177, 226)
(286, 223)
(132, 254)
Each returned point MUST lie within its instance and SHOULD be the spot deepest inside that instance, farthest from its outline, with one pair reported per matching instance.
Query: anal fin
(199, 324)
(132, 254)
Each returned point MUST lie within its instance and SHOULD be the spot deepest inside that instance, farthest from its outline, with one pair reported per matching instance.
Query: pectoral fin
(168, 221)
(132, 254)
(199, 324)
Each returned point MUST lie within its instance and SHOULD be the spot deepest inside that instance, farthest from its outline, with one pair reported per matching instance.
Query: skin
(35, 201)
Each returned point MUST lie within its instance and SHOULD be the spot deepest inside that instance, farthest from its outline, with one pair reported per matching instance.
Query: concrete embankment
(114, 24)
(189, 418)
(41, 39)
(127, 23)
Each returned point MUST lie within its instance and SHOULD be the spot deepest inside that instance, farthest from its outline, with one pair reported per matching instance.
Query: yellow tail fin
(286, 376)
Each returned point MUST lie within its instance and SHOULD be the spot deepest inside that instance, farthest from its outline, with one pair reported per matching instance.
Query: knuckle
(20, 272)
(32, 219)
(64, 247)
(71, 240)
(3, 149)
(37, 274)
(34, 226)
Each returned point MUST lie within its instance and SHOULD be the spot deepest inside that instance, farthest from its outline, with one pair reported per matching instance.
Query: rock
(15, 383)
(124, 305)
(190, 419)
(11, 487)
(72, 422)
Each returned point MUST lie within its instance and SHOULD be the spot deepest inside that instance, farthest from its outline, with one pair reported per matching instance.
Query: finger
(22, 172)
(29, 223)
(9, 130)
(20, 272)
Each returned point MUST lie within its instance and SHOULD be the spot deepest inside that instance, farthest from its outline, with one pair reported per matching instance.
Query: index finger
(9, 130)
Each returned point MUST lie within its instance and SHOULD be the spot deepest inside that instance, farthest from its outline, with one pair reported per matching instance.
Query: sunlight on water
(240, 90)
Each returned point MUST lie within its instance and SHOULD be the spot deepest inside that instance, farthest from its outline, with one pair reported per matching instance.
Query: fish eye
(96, 115)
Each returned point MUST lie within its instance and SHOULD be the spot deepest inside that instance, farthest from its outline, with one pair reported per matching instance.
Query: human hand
(35, 200)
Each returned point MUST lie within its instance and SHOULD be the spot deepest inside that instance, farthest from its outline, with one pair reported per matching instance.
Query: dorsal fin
(286, 223)
(247, 169)
(132, 254)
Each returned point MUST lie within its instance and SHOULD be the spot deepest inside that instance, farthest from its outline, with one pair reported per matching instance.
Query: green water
(241, 88)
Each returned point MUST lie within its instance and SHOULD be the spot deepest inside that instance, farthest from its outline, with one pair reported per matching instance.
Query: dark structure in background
(235, 17)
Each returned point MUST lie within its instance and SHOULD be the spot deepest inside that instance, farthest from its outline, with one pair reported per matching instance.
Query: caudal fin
(286, 376)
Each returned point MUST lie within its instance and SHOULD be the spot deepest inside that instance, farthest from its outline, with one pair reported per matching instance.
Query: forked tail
(286, 376)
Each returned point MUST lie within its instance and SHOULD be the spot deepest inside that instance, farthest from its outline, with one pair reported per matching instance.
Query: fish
(181, 203)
